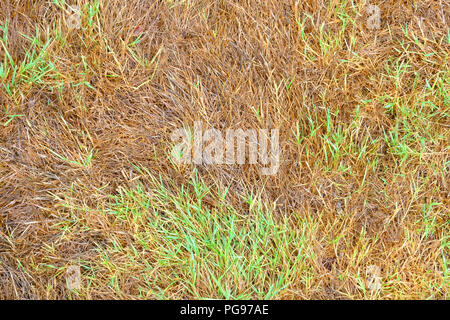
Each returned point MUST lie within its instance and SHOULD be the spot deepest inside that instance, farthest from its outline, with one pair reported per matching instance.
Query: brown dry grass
(363, 181)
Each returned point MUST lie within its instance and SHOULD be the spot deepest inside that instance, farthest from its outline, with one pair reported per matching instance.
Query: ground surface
(357, 209)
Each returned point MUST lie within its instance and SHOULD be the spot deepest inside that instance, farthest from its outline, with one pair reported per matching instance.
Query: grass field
(93, 205)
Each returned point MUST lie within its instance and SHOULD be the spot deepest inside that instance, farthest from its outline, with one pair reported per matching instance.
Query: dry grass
(86, 178)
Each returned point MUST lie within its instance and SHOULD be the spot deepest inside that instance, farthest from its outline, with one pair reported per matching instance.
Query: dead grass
(86, 178)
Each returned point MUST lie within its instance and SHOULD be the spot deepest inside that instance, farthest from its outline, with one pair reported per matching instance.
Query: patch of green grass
(207, 251)
(33, 68)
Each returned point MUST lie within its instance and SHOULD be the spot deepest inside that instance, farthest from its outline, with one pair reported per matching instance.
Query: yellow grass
(359, 208)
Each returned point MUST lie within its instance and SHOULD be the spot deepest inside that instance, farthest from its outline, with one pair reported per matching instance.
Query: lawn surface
(90, 96)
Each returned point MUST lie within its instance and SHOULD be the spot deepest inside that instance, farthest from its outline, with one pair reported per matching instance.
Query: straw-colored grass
(359, 208)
